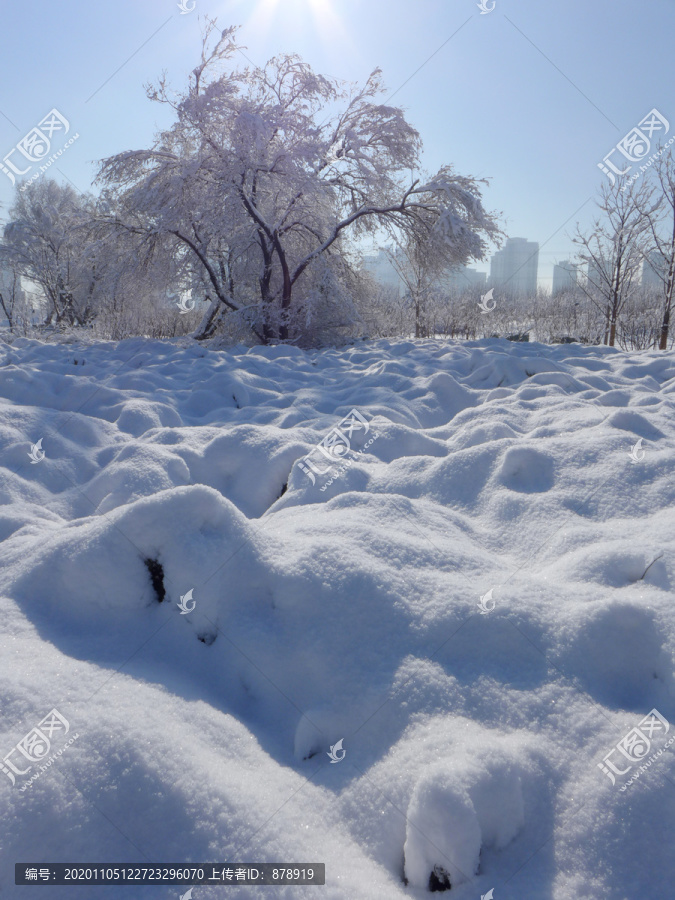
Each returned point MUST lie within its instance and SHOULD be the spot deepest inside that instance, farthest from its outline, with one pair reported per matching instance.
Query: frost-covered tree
(382, 307)
(424, 255)
(419, 266)
(86, 273)
(613, 249)
(43, 242)
(13, 301)
(267, 173)
(660, 219)
(641, 321)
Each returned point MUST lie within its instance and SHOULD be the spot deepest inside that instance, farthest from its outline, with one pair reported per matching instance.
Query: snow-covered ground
(471, 735)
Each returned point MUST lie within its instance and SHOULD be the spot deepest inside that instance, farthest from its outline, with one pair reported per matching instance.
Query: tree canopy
(268, 174)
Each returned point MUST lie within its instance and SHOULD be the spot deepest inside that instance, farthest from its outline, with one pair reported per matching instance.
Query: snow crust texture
(476, 598)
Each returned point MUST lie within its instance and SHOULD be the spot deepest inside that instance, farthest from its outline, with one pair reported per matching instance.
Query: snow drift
(472, 734)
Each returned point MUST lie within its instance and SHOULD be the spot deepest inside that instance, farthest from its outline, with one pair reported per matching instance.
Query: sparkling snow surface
(472, 735)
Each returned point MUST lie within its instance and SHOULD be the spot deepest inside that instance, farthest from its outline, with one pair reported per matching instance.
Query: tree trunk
(285, 298)
(7, 313)
(264, 281)
(670, 289)
(665, 325)
(614, 311)
(207, 324)
(268, 333)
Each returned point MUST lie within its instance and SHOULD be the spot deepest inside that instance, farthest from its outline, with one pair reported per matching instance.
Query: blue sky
(531, 95)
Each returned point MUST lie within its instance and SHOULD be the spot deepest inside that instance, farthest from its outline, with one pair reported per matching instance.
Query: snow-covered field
(472, 735)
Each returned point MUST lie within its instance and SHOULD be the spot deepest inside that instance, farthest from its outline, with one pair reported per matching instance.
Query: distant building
(565, 275)
(653, 269)
(383, 270)
(5, 280)
(514, 268)
(594, 276)
(380, 266)
(463, 278)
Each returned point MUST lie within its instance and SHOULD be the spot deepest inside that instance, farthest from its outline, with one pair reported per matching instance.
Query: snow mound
(527, 470)
(455, 810)
(387, 607)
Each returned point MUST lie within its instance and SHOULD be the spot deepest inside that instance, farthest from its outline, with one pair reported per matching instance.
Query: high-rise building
(595, 277)
(514, 267)
(564, 276)
(463, 278)
(382, 269)
(654, 269)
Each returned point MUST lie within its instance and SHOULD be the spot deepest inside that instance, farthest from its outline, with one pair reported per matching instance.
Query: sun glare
(307, 20)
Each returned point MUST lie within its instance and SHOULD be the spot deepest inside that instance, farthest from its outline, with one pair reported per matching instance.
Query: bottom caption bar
(169, 873)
